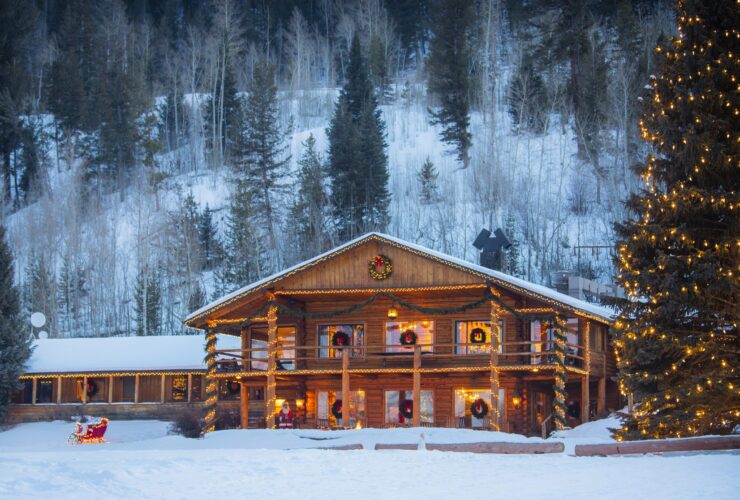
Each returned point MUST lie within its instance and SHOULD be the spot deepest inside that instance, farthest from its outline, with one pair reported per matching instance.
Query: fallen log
(659, 446)
(342, 447)
(499, 448)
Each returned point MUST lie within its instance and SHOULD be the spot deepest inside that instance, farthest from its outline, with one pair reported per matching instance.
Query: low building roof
(499, 278)
(122, 354)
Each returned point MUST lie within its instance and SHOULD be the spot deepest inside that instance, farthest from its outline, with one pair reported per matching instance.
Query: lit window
(423, 330)
(465, 402)
(179, 388)
(325, 401)
(355, 336)
(477, 336)
(397, 404)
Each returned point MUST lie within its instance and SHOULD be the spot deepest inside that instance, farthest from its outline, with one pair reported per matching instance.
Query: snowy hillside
(527, 179)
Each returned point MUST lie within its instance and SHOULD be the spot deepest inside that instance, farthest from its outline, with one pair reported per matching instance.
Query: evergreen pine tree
(244, 253)
(512, 256)
(148, 302)
(427, 177)
(358, 165)
(40, 290)
(309, 211)
(15, 348)
(70, 290)
(449, 80)
(262, 159)
(528, 99)
(678, 339)
(208, 238)
(197, 298)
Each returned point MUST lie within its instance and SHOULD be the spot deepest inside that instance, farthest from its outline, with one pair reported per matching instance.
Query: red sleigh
(93, 435)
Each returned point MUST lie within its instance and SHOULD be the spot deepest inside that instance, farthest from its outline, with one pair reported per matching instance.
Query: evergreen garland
(560, 374)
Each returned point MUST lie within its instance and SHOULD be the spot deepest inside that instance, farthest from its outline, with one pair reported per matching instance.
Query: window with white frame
(465, 401)
(474, 337)
(398, 402)
(355, 335)
(423, 331)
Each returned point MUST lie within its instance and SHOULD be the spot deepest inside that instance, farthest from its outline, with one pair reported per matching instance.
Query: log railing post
(271, 389)
(244, 390)
(345, 388)
(560, 374)
(496, 334)
(585, 389)
(417, 387)
(211, 382)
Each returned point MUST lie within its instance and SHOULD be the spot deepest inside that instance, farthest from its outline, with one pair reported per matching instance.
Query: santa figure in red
(285, 417)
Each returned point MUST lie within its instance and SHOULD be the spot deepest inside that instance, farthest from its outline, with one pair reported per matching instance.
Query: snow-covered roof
(502, 279)
(116, 354)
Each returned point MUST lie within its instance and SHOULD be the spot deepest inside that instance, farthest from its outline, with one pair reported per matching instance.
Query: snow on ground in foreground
(142, 461)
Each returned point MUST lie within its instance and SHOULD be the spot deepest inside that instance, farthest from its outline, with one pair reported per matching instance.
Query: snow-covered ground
(142, 461)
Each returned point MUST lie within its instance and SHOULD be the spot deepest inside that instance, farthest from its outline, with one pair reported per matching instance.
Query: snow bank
(142, 462)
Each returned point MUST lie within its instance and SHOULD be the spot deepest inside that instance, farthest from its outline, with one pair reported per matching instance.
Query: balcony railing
(290, 358)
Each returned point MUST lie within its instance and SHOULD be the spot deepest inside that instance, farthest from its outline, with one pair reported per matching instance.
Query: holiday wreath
(336, 408)
(408, 337)
(233, 386)
(407, 409)
(92, 388)
(339, 339)
(477, 336)
(479, 408)
(380, 267)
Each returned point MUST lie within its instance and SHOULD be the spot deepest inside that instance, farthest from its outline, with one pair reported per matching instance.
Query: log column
(162, 386)
(601, 401)
(417, 387)
(560, 374)
(585, 389)
(211, 382)
(137, 383)
(345, 388)
(34, 385)
(271, 389)
(84, 390)
(110, 389)
(496, 334)
(244, 390)
(59, 390)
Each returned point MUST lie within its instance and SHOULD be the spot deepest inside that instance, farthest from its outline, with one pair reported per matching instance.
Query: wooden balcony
(430, 358)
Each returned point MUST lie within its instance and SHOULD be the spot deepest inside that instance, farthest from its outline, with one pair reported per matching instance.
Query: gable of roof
(507, 282)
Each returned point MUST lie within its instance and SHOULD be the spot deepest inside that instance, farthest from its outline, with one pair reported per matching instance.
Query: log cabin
(117, 377)
(380, 332)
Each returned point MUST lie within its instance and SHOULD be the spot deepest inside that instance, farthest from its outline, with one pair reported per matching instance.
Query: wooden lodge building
(377, 332)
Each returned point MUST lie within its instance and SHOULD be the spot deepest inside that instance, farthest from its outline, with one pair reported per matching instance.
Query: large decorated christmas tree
(679, 258)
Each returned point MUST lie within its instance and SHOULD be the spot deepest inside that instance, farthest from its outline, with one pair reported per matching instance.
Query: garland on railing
(211, 383)
(560, 374)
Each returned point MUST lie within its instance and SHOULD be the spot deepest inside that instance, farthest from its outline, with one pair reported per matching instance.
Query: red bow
(379, 262)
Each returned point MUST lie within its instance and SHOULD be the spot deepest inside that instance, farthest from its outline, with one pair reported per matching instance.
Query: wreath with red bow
(336, 408)
(479, 408)
(477, 336)
(339, 339)
(408, 337)
(380, 267)
(91, 389)
(407, 409)
(233, 386)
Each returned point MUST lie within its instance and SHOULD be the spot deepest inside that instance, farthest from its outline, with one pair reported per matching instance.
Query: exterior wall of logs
(443, 369)
(114, 395)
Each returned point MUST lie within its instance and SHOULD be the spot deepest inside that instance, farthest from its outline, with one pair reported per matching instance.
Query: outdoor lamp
(516, 398)
(392, 312)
